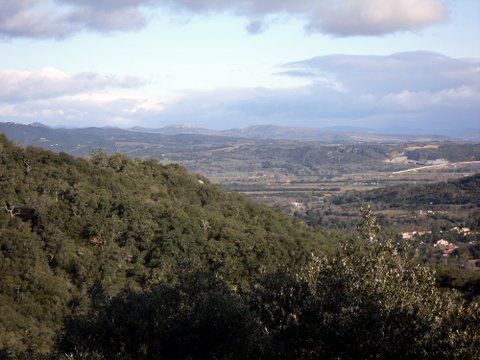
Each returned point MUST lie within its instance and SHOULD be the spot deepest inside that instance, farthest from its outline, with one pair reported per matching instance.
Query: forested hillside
(115, 258)
(73, 229)
(458, 192)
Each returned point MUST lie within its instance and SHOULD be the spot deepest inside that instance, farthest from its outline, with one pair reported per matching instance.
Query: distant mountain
(458, 134)
(178, 139)
(351, 129)
(82, 142)
(177, 130)
(288, 133)
(37, 124)
(330, 134)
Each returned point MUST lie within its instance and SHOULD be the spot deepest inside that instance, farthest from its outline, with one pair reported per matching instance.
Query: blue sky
(233, 63)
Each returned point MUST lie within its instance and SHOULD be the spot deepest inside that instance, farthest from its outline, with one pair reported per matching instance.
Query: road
(438, 165)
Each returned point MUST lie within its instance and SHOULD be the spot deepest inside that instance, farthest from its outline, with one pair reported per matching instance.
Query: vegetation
(447, 211)
(454, 192)
(74, 230)
(114, 258)
(442, 205)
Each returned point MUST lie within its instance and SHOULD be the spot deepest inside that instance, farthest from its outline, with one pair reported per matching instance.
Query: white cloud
(373, 17)
(414, 71)
(33, 19)
(47, 19)
(463, 97)
(54, 97)
(417, 89)
(18, 86)
(94, 109)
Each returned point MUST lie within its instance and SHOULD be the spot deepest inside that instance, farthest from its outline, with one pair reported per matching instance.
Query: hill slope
(74, 230)
(458, 191)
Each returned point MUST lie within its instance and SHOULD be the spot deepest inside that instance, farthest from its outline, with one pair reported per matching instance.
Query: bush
(369, 301)
(199, 318)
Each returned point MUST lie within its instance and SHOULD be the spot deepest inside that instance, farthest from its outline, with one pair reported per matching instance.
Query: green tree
(199, 318)
(371, 300)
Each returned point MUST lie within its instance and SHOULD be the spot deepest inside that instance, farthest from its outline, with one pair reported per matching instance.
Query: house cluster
(462, 230)
(411, 235)
(432, 212)
(445, 246)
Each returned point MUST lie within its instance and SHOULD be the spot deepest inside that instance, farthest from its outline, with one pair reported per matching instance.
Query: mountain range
(274, 132)
(82, 141)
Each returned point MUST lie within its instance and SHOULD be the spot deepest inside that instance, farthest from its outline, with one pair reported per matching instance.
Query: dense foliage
(367, 301)
(75, 230)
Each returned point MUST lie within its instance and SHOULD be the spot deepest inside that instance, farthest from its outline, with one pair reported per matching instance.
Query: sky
(222, 64)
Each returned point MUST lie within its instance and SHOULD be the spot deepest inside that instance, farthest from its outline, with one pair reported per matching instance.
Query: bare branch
(205, 225)
(10, 208)
(28, 166)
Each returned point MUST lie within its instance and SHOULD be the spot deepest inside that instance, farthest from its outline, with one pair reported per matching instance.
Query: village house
(458, 230)
(411, 235)
(446, 247)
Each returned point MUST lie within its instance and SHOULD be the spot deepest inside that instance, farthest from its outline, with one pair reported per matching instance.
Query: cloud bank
(20, 86)
(416, 90)
(63, 18)
(56, 98)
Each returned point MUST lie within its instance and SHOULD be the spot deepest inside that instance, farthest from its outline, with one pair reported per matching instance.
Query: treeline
(319, 155)
(454, 192)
